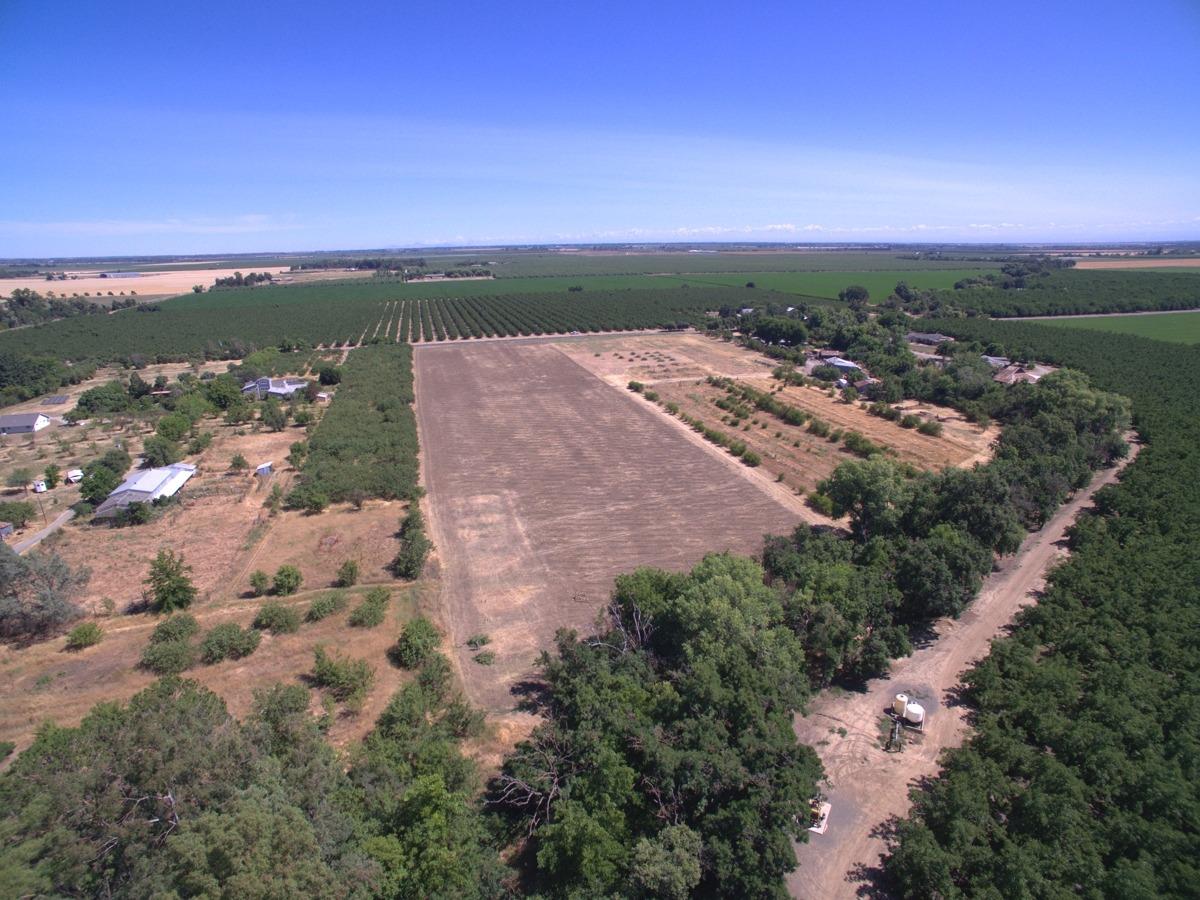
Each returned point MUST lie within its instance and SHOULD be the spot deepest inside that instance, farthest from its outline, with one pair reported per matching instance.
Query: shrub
(6, 749)
(652, 396)
(347, 575)
(931, 428)
(287, 581)
(277, 618)
(238, 464)
(347, 680)
(372, 610)
(822, 503)
(636, 386)
(179, 627)
(751, 458)
(260, 582)
(414, 546)
(168, 657)
(417, 641)
(818, 427)
(486, 658)
(672, 407)
(476, 641)
(86, 635)
(910, 421)
(228, 641)
(325, 606)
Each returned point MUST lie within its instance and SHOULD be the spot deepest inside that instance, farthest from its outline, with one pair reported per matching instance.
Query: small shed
(6, 528)
(74, 476)
(262, 470)
(39, 486)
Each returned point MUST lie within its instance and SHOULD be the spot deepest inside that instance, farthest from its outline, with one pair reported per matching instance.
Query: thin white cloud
(246, 224)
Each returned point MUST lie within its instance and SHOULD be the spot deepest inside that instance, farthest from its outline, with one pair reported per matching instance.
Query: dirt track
(869, 786)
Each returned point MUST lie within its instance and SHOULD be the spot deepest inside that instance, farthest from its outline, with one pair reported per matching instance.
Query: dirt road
(868, 786)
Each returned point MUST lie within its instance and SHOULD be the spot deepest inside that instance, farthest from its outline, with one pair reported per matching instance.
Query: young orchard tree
(170, 586)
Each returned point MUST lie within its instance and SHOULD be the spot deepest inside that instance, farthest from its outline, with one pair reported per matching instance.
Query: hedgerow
(366, 443)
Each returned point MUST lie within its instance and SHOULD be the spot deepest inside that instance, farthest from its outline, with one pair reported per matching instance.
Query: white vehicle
(822, 822)
(39, 487)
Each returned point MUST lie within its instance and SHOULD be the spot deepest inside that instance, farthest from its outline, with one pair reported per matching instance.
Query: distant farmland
(828, 284)
(1179, 328)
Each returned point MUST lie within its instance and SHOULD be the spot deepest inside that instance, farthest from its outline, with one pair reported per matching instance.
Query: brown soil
(868, 786)
(1140, 263)
(147, 284)
(45, 682)
(220, 526)
(544, 484)
(676, 365)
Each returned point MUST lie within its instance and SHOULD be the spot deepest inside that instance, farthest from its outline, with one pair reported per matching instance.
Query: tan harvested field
(147, 284)
(676, 366)
(1144, 262)
(45, 682)
(545, 482)
(221, 527)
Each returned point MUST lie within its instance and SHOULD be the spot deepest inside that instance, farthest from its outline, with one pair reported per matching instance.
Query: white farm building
(23, 423)
(146, 487)
(264, 387)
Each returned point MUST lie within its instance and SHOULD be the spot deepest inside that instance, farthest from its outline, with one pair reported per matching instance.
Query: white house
(273, 387)
(23, 423)
(146, 486)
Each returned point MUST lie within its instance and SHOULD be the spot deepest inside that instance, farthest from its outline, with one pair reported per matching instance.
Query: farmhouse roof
(146, 486)
(20, 420)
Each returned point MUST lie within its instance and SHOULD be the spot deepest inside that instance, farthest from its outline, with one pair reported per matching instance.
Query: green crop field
(229, 324)
(1179, 328)
(828, 284)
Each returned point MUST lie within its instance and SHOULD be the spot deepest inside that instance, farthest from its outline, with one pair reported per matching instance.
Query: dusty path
(34, 539)
(867, 785)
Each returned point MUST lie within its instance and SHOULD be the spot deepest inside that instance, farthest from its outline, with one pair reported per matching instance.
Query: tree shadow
(533, 695)
(873, 882)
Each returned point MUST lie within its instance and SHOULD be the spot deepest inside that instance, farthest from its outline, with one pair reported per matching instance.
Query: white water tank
(914, 714)
(900, 704)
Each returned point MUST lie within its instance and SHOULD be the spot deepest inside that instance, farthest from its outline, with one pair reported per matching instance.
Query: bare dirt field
(676, 366)
(146, 284)
(1147, 262)
(868, 786)
(221, 527)
(46, 682)
(544, 483)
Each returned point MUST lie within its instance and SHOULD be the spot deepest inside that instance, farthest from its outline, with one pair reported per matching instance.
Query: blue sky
(210, 127)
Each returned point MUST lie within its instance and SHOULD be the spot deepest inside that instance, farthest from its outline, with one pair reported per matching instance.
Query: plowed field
(545, 482)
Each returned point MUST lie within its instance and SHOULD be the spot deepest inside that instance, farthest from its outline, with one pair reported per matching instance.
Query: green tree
(174, 427)
(158, 451)
(873, 492)
(97, 484)
(273, 415)
(418, 639)
(347, 575)
(238, 463)
(287, 580)
(260, 582)
(169, 584)
(52, 476)
(19, 478)
(668, 866)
